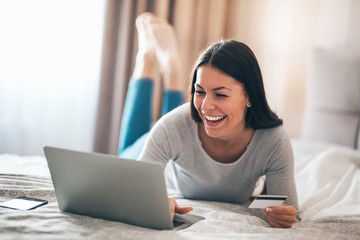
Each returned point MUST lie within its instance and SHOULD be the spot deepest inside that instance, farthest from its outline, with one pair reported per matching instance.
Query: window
(50, 57)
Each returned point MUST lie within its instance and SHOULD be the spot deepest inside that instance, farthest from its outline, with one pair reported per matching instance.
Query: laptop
(112, 188)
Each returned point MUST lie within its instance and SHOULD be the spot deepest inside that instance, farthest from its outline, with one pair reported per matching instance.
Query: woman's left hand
(281, 217)
(175, 208)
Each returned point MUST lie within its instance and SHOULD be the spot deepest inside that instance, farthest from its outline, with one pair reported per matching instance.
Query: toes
(143, 19)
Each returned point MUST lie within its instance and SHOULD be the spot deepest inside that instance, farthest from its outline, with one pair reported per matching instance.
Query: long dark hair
(238, 61)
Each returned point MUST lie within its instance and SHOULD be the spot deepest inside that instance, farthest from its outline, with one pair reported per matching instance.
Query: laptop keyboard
(178, 223)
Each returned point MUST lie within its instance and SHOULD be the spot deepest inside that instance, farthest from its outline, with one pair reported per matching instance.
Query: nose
(207, 103)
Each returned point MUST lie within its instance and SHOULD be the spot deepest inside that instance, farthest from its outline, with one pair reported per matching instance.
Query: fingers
(274, 224)
(284, 209)
(277, 222)
(283, 216)
(183, 210)
(175, 208)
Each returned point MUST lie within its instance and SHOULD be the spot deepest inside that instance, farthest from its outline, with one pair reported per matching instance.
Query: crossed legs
(157, 48)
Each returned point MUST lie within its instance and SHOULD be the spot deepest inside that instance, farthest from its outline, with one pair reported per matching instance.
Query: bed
(327, 174)
(327, 177)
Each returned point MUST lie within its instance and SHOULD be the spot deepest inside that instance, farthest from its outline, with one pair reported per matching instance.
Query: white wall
(282, 33)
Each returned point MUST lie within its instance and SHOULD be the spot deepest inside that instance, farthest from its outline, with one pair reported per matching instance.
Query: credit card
(23, 203)
(265, 201)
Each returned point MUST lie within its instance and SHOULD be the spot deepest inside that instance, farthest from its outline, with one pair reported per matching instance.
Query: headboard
(333, 97)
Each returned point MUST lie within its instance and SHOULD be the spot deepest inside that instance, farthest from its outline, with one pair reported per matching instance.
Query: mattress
(327, 180)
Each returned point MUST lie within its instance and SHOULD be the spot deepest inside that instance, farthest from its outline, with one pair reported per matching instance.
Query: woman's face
(220, 102)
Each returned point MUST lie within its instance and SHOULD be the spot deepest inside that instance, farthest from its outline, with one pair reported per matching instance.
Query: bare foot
(167, 52)
(146, 62)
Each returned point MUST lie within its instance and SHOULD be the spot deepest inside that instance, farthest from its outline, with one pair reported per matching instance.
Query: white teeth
(214, 118)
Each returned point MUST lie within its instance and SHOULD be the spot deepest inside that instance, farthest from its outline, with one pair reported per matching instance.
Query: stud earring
(248, 104)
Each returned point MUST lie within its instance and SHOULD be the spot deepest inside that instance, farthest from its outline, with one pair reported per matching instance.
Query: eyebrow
(214, 89)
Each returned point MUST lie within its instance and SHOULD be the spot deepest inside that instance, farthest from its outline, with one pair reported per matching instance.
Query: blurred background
(65, 65)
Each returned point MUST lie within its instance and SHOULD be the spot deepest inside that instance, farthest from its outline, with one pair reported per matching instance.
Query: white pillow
(333, 97)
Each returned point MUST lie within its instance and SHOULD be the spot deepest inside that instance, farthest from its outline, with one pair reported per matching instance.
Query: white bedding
(328, 185)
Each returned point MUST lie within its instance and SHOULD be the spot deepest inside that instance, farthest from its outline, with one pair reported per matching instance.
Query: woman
(218, 145)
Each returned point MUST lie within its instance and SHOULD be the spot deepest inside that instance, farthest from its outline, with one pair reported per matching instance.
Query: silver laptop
(112, 188)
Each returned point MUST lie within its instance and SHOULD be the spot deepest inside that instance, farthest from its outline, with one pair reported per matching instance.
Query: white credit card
(265, 201)
(23, 203)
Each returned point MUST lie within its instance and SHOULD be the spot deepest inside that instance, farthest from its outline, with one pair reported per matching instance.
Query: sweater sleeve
(279, 171)
(157, 147)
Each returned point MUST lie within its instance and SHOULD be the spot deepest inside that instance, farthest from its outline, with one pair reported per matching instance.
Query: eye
(199, 92)
(221, 95)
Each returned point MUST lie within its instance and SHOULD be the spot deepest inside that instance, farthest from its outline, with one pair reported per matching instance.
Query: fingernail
(269, 210)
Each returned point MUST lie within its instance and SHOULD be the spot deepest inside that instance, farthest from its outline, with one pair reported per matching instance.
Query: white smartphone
(265, 201)
(23, 203)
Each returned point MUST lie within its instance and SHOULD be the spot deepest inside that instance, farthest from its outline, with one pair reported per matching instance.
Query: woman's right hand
(175, 208)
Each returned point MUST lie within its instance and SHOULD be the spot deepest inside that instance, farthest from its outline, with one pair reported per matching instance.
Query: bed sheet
(327, 178)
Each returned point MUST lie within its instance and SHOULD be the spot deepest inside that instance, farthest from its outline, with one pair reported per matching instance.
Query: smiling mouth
(214, 120)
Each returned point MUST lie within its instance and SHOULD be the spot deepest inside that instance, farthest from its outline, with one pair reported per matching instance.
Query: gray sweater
(191, 172)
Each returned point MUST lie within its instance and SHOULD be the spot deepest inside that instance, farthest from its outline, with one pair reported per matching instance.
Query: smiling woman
(219, 144)
(220, 99)
(49, 74)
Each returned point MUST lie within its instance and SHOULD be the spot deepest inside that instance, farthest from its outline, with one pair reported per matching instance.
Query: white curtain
(50, 57)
